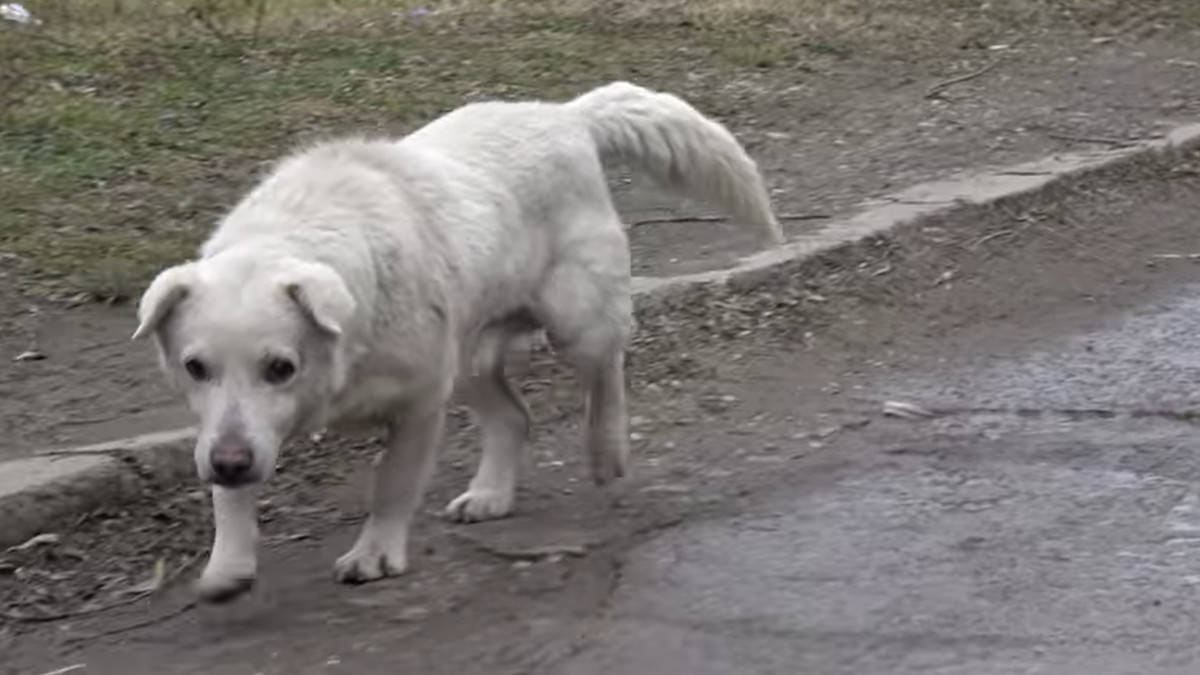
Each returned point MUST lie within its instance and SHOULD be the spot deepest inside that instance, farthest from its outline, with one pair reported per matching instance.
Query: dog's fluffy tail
(680, 147)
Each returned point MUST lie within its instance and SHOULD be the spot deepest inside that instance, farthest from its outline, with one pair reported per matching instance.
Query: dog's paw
(217, 588)
(609, 463)
(368, 561)
(225, 578)
(474, 506)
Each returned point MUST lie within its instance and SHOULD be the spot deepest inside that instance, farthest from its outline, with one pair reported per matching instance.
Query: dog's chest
(368, 400)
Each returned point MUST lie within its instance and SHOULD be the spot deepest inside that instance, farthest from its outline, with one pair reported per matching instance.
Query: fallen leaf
(45, 539)
(152, 584)
(905, 410)
(944, 277)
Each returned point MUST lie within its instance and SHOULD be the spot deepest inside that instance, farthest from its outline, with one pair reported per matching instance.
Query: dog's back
(538, 145)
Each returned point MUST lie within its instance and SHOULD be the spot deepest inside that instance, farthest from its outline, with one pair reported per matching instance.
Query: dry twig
(718, 219)
(937, 89)
(182, 609)
(68, 669)
(1099, 140)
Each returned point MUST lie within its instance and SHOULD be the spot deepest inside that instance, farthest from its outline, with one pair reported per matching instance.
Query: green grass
(129, 125)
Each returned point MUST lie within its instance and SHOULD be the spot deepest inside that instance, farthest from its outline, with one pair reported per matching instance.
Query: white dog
(364, 281)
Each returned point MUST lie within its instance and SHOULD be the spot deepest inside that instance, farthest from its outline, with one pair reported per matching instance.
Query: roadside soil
(825, 140)
(735, 395)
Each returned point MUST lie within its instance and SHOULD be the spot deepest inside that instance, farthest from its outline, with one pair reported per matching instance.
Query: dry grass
(127, 125)
(903, 18)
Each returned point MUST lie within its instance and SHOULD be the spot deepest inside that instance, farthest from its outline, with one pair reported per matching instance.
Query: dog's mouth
(233, 482)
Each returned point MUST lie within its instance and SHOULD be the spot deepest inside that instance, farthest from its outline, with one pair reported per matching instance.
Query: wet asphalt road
(1051, 524)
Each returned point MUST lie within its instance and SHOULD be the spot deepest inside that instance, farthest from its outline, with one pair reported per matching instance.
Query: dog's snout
(232, 464)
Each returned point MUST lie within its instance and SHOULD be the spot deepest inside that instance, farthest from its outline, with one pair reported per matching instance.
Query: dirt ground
(734, 397)
(826, 141)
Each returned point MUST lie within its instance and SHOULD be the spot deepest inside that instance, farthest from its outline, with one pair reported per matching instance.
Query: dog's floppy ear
(320, 292)
(168, 288)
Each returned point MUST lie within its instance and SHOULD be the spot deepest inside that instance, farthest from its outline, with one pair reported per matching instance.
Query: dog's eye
(278, 370)
(197, 369)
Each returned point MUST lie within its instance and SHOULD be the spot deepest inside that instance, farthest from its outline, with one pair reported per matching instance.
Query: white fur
(393, 272)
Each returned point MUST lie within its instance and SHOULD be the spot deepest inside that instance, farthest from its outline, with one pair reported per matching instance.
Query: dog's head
(258, 348)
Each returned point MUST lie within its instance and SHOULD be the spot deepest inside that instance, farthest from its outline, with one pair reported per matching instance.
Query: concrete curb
(45, 492)
(919, 203)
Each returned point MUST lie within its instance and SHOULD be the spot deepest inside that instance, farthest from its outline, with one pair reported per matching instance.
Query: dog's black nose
(231, 464)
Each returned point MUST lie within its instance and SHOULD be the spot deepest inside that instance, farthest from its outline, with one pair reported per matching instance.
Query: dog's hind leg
(586, 307)
(607, 424)
(504, 427)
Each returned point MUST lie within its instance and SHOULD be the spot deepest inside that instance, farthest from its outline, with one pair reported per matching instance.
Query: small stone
(16, 13)
(29, 355)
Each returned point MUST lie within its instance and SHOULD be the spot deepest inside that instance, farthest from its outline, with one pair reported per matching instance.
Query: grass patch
(129, 125)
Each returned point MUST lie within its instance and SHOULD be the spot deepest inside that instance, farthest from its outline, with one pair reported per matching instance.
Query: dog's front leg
(396, 490)
(234, 560)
